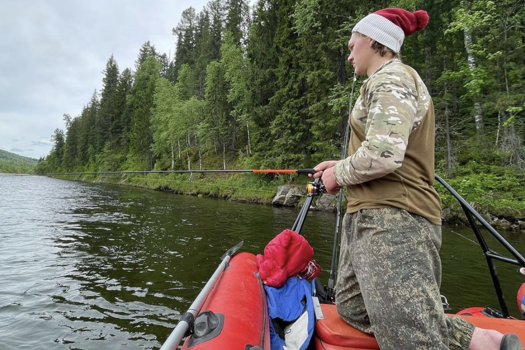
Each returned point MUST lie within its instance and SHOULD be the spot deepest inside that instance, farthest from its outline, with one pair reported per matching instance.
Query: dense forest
(15, 164)
(269, 86)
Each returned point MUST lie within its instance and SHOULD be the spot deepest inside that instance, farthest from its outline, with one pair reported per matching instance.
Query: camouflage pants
(388, 281)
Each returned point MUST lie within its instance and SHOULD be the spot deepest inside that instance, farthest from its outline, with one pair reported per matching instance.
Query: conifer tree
(57, 152)
(276, 86)
(146, 50)
(216, 13)
(109, 112)
(289, 129)
(86, 138)
(237, 76)
(263, 57)
(121, 126)
(237, 20)
(140, 102)
(71, 154)
(217, 108)
(203, 52)
(185, 33)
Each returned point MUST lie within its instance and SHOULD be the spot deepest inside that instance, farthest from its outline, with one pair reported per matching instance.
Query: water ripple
(88, 266)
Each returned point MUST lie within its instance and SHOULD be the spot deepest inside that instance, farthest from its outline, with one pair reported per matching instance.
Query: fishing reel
(315, 188)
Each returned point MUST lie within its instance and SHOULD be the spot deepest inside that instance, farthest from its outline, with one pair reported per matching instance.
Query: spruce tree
(263, 57)
(70, 156)
(122, 124)
(185, 33)
(109, 111)
(140, 102)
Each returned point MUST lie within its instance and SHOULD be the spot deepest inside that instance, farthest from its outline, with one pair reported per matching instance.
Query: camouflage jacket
(389, 108)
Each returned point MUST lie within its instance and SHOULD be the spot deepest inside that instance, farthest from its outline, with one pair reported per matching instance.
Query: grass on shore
(497, 193)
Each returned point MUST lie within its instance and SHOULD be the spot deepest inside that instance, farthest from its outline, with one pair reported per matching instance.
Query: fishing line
(468, 239)
(479, 245)
(330, 286)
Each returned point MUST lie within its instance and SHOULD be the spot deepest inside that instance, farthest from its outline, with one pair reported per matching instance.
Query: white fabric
(381, 30)
(296, 333)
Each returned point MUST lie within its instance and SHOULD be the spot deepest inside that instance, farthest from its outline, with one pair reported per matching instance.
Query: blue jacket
(291, 312)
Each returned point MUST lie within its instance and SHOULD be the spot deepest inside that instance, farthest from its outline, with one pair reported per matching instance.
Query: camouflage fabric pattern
(390, 106)
(388, 281)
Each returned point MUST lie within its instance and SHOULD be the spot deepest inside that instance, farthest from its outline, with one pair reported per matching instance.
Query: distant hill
(13, 163)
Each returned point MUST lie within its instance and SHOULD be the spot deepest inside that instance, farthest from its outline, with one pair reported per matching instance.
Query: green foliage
(140, 102)
(217, 107)
(488, 188)
(185, 32)
(271, 89)
(15, 164)
(108, 116)
(109, 160)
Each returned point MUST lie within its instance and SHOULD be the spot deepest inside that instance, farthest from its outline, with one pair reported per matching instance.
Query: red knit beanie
(389, 26)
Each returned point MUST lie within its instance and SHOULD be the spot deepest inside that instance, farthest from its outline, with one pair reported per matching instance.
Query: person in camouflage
(390, 270)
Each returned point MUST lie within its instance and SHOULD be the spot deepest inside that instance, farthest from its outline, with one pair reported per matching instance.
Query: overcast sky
(53, 52)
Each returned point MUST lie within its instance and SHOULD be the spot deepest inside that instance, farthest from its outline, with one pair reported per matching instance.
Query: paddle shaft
(187, 319)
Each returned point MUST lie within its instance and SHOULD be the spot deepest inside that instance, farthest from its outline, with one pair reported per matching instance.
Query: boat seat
(332, 333)
(503, 325)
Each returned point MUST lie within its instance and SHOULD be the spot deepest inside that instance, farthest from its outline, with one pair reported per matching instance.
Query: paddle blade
(231, 252)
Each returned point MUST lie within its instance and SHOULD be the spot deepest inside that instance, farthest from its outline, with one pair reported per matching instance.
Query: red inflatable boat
(235, 311)
(231, 311)
(235, 317)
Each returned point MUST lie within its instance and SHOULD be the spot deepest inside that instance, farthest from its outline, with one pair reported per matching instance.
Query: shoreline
(234, 189)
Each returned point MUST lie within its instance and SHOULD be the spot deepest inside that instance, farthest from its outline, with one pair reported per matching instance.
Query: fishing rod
(256, 171)
(330, 287)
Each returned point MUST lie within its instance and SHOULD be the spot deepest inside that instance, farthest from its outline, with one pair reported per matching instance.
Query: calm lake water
(95, 266)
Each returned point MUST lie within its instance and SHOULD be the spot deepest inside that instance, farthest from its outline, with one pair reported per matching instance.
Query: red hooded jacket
(284, 256)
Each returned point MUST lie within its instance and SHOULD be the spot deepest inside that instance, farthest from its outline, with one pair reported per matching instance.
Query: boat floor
(332, 333)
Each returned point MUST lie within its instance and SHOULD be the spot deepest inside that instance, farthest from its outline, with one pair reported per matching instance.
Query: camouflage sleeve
(392, 106)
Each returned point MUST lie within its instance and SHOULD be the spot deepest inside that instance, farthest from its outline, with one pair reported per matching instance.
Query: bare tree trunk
(428, 71)
(449, 160)
(511, 142)
(249, 146)
(223, 156)
(506, 138)
(172, 155)
(471, 59)
(499, 128)
(188, 151)
(200, 158)
(447, 132)
(234, 134)
(178, 141)
(199, 148)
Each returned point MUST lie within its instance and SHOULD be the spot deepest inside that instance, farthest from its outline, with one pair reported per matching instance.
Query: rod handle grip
(306, 171)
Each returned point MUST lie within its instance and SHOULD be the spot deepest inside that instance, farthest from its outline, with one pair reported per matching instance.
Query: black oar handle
(306, 171)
